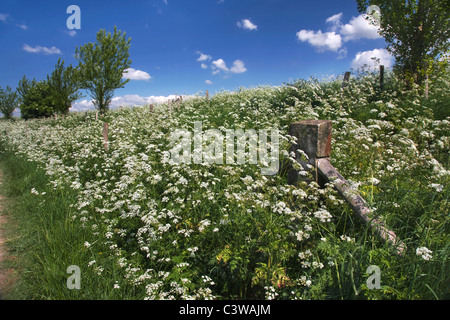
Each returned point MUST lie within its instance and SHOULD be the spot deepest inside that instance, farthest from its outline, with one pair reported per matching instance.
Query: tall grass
(139, 226)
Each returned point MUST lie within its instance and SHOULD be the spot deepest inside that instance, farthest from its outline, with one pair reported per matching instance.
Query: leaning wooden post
(105, 135)
(381, 77)
(314, 139)
(346, 78)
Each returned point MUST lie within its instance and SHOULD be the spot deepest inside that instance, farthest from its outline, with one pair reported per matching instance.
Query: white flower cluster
(424, 252)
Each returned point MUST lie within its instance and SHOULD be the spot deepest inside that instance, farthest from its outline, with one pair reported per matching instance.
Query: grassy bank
(46, 240)
(140, 226)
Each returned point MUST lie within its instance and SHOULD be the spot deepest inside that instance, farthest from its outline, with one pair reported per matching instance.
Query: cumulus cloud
(203, 57)
(238, 67)
(369, 59)
(208, 82)
(359, 28)
(134, 74)
(321, 41)
(339, 33)
(246, 24)
(220, 65)
(129, 100)
(40, 49)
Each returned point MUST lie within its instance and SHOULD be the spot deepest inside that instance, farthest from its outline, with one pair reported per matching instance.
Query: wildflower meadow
(140, 225)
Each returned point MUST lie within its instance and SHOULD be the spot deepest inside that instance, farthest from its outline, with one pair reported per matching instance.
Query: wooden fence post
(381, 77)
(151, 108)
(207, 95)
(346, 78)
(105, 135)
(314, 139)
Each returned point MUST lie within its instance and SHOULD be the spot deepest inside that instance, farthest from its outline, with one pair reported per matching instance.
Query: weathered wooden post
(314, 139)
(105, 135)
(381, 77)
(346, 78)
(207, 95)
(151, 108)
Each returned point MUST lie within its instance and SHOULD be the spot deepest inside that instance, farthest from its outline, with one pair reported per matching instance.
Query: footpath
(6, 273)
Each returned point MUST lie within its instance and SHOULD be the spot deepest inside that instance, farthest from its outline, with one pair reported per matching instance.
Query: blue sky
(186, 47)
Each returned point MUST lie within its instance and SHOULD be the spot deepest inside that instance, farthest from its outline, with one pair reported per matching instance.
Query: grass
(139, 227)
(47, 240)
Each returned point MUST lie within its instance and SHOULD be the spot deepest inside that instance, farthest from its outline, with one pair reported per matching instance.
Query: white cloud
(22, 26)
(339, 33)
(40, 49)
(129, 100)
(203, 57)
(335, 21)
(71, 33)
(238, 67)
(246, 24)
(321, 41)
(204, 66)
(134, 74)
(359, 28)
(334, 18)
(208, 82)
(365, 58)
(83, 105)
(220, 64)
(3, 16)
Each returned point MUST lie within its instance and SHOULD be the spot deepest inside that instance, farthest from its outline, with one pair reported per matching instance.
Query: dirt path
(6, 274)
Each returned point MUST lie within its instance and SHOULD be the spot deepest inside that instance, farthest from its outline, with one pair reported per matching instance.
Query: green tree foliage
(9, 101)
(101, 66)
(417, 34)
(63, 86)
(37, 100)
(24, 87)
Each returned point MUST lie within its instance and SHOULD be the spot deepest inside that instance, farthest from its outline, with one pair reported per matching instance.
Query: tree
(63, 86)
(37, 100)
(24, 86)
(9, 101)
(101, 66)
(417, 33)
